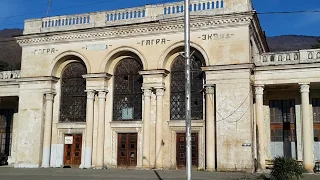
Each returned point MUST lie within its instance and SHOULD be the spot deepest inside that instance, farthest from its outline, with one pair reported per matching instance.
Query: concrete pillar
(159, 137)
(146, 126)
(210, 129)
(47, 131)
(261, 127)
(89, 129)
(101, 127)
(307, 128)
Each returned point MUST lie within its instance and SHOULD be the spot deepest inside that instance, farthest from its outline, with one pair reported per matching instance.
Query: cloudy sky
(14, 12)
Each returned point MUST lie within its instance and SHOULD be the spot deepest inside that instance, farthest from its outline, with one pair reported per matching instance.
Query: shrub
(286, 169)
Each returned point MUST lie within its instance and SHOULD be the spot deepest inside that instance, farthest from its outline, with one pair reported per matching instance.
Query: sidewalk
(119, 174)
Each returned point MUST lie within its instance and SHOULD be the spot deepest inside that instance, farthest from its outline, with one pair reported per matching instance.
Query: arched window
(127, 94)
(177, 89)
(73, 95)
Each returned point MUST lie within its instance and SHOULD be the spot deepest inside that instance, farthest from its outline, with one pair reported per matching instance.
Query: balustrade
(289, 57)
(130, 15)
(8, 75)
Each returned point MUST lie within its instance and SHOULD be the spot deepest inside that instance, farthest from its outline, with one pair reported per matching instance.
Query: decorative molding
(164, 72)
(105, 76)
(130, 30)
(228, 67)
(40, 78)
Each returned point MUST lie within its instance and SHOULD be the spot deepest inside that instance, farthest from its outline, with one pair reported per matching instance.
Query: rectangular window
(282, 120)
(316, 118)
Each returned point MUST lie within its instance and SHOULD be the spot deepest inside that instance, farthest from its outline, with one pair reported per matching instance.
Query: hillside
(291, 42)
(10, 51)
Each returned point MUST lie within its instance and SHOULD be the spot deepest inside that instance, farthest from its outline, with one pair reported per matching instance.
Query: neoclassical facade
(106, 90)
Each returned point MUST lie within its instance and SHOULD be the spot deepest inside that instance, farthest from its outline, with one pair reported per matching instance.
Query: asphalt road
(118, 174)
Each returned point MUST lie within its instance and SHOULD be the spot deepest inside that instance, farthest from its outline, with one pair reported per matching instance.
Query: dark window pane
(177, 92)
(127, 99)
(73, 95)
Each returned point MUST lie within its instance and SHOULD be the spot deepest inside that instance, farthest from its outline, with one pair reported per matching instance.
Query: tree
(316, 45)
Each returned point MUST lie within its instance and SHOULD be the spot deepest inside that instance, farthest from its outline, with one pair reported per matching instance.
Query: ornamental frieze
(133, 31)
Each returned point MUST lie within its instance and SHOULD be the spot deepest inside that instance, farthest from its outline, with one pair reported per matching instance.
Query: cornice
(37, 79)
(150, 28)
(228, 67)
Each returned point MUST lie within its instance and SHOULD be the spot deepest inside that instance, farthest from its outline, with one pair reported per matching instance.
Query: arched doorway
(177, 103)
(73, 108)
(127, 106)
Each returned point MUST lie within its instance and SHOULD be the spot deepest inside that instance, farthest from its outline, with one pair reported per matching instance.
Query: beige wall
(218, 45)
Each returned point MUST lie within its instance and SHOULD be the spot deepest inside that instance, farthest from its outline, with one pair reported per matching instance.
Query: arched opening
(73, 95)
(127, 93)
(177, 87)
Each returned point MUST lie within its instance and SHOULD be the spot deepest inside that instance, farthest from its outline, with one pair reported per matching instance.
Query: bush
(286, 169)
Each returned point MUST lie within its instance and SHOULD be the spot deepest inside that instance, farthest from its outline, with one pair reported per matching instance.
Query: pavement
(121, 174)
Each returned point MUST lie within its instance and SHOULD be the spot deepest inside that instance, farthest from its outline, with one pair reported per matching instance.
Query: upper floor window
(127, 93)
(177, 100)
(73, 95)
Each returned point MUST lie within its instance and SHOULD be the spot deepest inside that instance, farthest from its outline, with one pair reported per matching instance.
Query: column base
(308, 168)
(211, 169)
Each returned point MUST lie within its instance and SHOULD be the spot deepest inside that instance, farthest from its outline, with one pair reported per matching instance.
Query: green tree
(316, 45)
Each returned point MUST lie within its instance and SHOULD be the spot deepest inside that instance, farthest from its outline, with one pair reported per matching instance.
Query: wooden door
(72, 152)
(127, 149)
(181, 150)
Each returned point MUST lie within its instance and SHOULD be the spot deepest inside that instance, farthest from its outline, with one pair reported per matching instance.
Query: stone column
(101, 127)
(47, 131)
(146, 126)
(159, 138)
(261, 126)
(210, 129)
(307, 128)
(89, 129)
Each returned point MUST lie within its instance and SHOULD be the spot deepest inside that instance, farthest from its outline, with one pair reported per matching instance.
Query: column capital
(160, 91)
(146, 92)
(304, 87)
(258, 88)
(90, 94)
(102, 94)
(209, 90)
(50, 96)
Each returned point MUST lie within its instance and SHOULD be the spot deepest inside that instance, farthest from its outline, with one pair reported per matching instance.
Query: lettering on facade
(215, 36)
(151, 42)
(45, 51)
(96, 47)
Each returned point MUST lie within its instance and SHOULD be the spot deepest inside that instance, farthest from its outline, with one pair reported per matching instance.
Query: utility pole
(188, 86)
(48, 9)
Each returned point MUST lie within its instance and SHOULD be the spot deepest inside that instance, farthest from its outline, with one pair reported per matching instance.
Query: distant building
(106, 90)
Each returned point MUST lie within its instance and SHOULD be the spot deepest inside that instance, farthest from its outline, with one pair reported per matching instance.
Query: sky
(14, 12)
